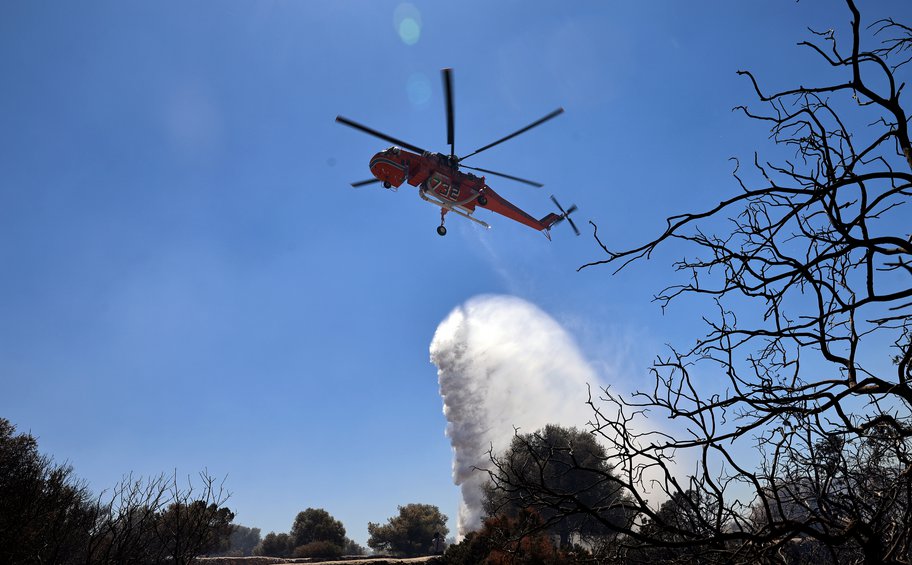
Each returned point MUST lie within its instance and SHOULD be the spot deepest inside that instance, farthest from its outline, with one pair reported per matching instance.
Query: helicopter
(441, 182)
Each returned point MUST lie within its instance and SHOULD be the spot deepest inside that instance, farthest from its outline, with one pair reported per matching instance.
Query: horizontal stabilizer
(550, 220)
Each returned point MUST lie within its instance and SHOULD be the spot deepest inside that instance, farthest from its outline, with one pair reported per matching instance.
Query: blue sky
(189, 281)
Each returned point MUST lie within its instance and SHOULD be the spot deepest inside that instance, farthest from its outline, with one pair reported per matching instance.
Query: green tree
(242, 541)
(48, 516)
(274, 545)
(45, 512)
(352, 547)
(318, 549)
(409, 534)
(564, 475)
(316, 524)
(188, 529)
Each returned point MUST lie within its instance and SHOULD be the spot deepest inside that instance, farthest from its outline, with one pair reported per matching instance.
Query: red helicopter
(440, 181)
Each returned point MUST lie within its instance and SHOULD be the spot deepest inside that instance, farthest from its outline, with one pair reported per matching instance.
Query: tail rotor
(565, 215)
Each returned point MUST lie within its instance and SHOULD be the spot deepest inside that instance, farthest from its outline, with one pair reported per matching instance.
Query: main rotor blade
(553, 114)
(511, 177)
(448, 97)
(376, 133)
(364, 182)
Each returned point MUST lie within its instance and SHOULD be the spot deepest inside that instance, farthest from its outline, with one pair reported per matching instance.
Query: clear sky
(188, 281)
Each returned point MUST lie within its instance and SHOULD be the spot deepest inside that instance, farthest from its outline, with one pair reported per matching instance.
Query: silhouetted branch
(807, 357)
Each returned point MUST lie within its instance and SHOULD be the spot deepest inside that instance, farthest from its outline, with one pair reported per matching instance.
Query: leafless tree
(157, 519)
(47, 515)
(809, 280)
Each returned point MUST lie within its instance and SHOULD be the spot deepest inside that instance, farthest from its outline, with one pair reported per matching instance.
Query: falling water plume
(503, 364)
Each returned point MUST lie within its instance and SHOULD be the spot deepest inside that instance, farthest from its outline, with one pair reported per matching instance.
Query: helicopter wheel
(441, 230)
(482, 200)
(386, 185)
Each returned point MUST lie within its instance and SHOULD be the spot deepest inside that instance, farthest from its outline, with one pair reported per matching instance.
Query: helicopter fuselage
(440, 182)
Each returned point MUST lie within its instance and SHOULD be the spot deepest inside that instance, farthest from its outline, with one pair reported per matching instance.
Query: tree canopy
(48, 516)
(45, 512)
(552, 471)
(316, 524)
(242, 541)
(274, 545)
(314, 533)
(409, 534)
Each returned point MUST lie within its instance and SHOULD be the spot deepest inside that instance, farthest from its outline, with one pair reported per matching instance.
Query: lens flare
(407, 21)
(419, 89)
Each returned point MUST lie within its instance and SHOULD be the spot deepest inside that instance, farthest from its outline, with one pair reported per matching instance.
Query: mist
(503, 364)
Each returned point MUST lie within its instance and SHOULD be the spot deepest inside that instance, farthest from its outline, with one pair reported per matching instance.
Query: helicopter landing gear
(387, 185)
(482, 200)
(441, 229)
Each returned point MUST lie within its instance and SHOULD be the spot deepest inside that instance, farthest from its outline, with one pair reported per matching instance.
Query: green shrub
(323, 549)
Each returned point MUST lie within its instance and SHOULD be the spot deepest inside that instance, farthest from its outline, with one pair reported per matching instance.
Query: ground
(346, 561)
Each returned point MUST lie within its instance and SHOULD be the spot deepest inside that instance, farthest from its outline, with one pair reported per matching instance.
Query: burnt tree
(809, 330)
